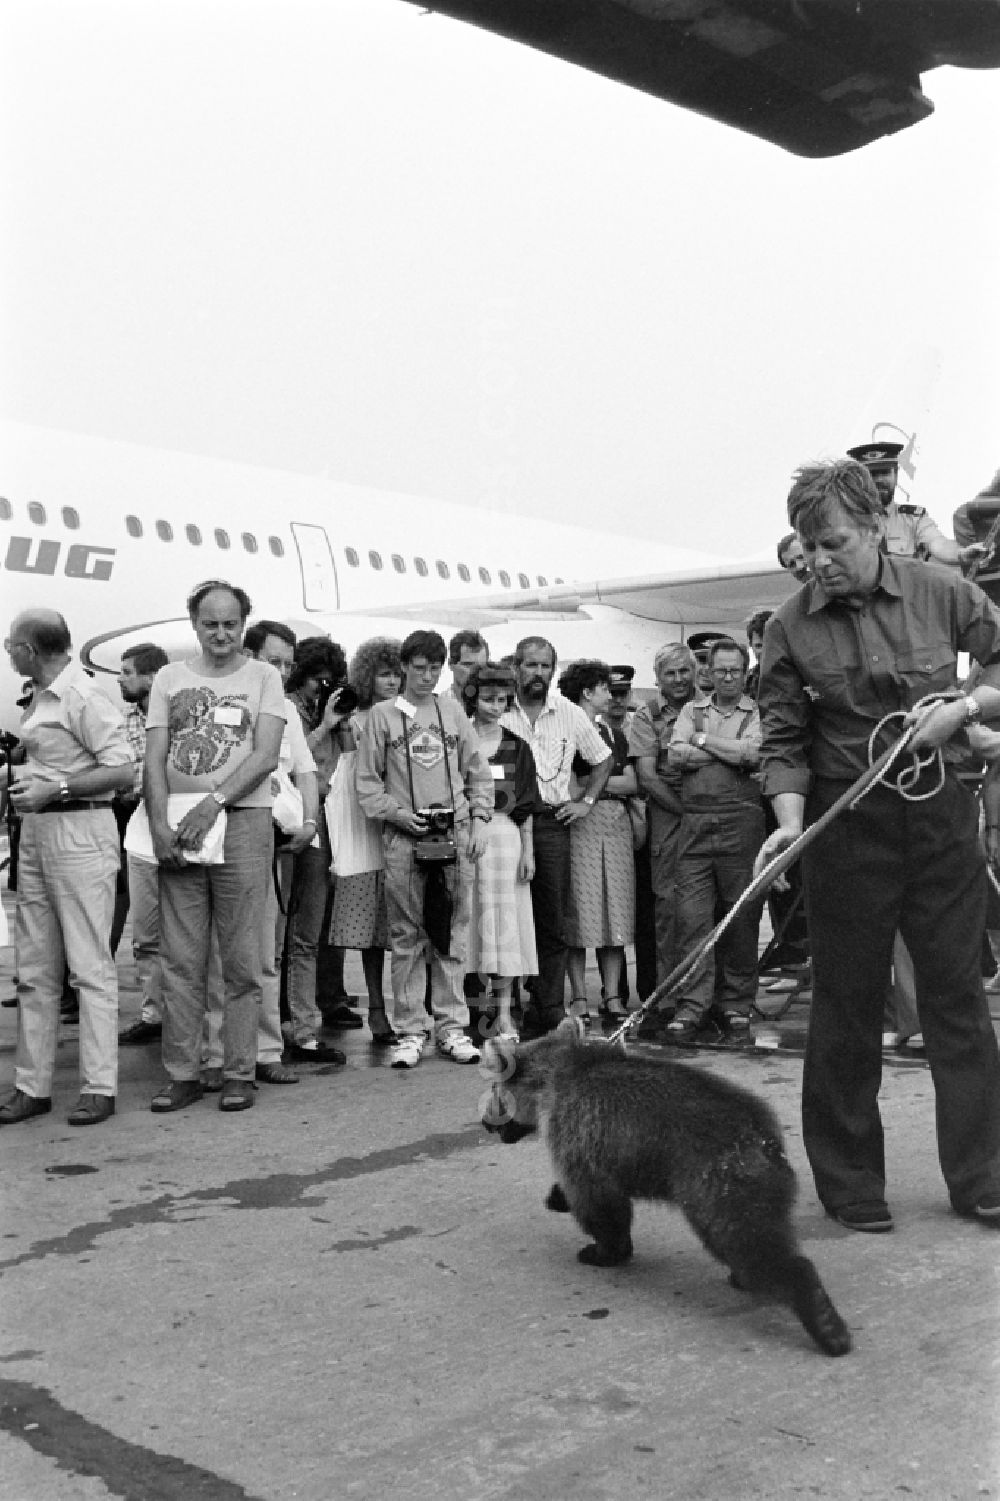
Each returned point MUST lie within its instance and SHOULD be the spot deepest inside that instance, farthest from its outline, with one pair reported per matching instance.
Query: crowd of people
(266, 806)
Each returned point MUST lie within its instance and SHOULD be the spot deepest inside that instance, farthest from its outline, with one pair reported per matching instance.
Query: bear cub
(621, 1128)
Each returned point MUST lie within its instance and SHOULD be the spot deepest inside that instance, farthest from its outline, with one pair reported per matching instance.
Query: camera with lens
(436, 846)
(345, 698)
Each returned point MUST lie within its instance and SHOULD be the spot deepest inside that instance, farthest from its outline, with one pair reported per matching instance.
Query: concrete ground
(352, 1291)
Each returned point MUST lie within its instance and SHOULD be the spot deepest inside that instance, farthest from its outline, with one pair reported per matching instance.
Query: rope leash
(877, 773)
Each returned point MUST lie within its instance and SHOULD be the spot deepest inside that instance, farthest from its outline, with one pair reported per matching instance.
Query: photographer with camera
(421, 771)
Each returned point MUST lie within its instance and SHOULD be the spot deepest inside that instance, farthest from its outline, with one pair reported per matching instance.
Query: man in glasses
(716, 748)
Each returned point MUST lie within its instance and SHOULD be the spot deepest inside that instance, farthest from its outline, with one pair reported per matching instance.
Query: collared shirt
(741, 723)
(560, 731)
(909, 531)
(135, 733)
(831, 670)
(72, 726)
(294, 755)
(649, 738)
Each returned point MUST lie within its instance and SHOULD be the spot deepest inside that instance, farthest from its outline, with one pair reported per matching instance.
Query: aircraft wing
(817, 77)
(722, 595)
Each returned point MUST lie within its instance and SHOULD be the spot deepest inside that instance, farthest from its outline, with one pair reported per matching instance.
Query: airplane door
(320, 588)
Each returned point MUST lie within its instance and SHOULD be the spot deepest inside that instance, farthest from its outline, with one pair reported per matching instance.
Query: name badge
(227, 714)
(499, 772)
(405, 707)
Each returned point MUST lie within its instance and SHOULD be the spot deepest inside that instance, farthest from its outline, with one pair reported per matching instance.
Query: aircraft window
(375, 559)
(443, 569)
(6, 509)
(505, 578)
(524, 581)
(351, 556)
(558, 580)
(398, 563)
(249, 542)
(221, 538)
(71, 518)
(543, 581)
(36, 512)
(164, 531)
(464, 573)
(484, 574)
(277, 546)
(420, 566)
(193, 534)
(133, 526)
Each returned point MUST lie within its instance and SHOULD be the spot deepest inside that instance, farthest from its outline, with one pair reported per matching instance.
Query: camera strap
(447, 768)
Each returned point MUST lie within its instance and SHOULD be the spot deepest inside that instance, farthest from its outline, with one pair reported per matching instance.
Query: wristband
(973, 710)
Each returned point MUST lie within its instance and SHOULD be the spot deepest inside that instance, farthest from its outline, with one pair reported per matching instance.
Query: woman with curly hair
(502, 930)
(359, 916)
(602, 871)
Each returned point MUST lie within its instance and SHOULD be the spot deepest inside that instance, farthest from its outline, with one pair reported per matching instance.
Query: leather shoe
(341, 1017)
(138, 1033)
(872, 1216)
(23, 1107)
(91, 1109)
(237, 1094)
(986, 1210)
(177, 1094)
(275, 1073)
(320, 1052)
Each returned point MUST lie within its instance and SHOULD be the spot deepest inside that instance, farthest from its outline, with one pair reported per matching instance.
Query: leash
(877, 773)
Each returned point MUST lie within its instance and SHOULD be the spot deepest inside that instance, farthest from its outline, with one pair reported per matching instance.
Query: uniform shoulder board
(912, 510)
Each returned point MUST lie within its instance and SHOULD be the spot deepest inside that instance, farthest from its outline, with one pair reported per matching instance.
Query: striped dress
(502, 930)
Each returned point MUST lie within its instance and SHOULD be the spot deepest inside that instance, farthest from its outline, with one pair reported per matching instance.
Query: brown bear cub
(621, 1128)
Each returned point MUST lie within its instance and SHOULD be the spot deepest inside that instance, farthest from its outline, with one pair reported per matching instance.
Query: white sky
(338, 236)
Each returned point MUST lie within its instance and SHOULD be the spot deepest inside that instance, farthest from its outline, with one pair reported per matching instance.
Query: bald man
(75, 756)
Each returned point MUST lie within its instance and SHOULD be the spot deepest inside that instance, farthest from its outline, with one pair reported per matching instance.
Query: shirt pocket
(927, 669)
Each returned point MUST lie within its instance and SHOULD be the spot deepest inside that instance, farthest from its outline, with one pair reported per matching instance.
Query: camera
(437, 846)
(345, 699)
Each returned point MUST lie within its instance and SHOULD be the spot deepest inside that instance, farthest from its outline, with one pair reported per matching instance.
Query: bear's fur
(621, 1128)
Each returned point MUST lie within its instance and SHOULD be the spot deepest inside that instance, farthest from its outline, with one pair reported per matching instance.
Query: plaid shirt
(135, 733)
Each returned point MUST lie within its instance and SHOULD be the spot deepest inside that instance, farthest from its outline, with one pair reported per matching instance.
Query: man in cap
(908, 530)
(619, 713)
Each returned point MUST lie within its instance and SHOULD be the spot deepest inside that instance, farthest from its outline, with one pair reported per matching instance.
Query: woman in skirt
(359, 918)
(502, 931)
(602, 871)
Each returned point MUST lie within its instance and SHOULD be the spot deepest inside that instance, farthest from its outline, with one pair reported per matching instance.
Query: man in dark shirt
(871, 635)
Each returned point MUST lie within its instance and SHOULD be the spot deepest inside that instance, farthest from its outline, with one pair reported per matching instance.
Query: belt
(71, 805)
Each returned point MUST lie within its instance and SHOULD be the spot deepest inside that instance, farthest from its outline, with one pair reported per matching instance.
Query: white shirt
(561, 729)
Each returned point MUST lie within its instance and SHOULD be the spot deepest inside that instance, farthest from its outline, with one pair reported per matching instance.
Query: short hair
(522, 648)
(784, 545)
(317, 656)
(146, 657)
(588, 673)
(472, 639)
(758, 620)
(258, 633)
(199, 592)
(487, 675)
(47, 632)
(429, 644)
(377, 654)
(674, 651)
(842, 482)
(726, 643)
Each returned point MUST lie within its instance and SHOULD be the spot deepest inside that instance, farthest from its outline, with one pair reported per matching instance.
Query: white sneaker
(406, 1051)
(456, 1046)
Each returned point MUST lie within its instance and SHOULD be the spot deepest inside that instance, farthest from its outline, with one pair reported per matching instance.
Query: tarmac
(352, 1291)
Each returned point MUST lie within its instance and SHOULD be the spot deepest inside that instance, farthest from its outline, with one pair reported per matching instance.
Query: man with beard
(137, 882)
(557, 731)
(674, 669)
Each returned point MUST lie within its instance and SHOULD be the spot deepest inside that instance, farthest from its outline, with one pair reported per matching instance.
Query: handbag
(355, 840)
(635, 807)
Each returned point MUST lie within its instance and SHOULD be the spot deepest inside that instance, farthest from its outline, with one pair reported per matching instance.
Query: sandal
(237, 1094)
(682, 1029)
(578, 1010)
(177, 1094)
(614, 1007)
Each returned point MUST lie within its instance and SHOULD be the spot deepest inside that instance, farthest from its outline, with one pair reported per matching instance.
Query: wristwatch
(590, 801)
(973, 710)
(63, 790)
(699, 741)
(220, 798)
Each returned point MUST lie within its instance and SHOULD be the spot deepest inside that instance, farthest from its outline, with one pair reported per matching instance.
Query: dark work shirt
(831, 671)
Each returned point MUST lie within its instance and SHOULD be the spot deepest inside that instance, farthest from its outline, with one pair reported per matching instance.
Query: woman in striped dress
(502, 930)
(602, 871)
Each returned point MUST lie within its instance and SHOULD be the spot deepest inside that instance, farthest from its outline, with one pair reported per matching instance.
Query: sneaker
(456, 1046)
(406, 1051)
(138, 1033)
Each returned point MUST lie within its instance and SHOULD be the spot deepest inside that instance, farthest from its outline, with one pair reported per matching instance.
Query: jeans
(412, 951)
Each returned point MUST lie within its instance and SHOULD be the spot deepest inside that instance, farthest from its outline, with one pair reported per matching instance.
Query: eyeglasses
(12, 646)
(727, 672)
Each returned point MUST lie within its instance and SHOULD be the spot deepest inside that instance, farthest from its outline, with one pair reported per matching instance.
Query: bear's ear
(572, 1028)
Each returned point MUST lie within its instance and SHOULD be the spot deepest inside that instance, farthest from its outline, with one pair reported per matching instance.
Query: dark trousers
(549, 899)
(918, 868)
(645, 925)
(714, 868)
(664, 839)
